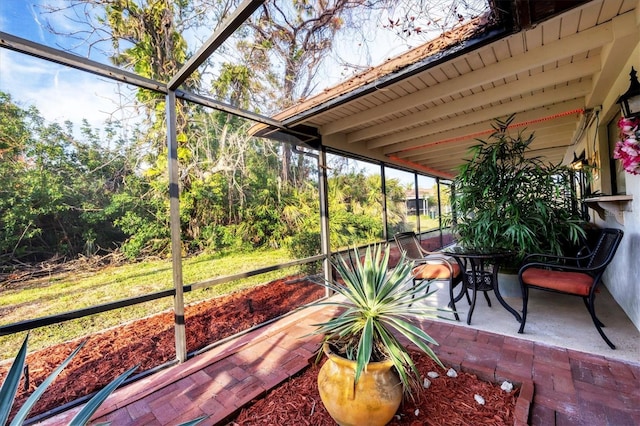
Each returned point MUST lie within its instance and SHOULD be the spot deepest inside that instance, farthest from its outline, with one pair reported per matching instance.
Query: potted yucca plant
(369, 370)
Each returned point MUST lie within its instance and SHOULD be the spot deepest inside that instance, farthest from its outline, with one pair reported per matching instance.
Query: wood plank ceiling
(551, 76)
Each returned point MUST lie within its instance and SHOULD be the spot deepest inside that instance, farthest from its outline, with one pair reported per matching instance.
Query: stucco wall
(622, 277)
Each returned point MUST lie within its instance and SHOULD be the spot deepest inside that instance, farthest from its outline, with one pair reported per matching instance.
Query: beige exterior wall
(622, 277)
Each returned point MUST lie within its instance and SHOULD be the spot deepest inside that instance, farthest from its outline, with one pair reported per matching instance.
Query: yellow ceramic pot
(372, 401)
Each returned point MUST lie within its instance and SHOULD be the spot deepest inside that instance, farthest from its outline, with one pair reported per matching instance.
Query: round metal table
(480, 273)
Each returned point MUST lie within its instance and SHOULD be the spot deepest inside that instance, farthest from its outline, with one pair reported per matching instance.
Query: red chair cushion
(568, 282)
(437, 271)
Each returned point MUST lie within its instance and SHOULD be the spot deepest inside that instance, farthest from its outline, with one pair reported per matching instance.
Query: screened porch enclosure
(364, 160)
(371, 210)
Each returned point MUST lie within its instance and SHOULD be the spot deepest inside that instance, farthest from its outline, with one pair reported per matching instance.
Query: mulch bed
(149, 342)
(448, 401)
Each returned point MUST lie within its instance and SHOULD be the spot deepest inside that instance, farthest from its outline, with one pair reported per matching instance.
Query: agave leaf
(417, 337)
(194, 421)
(398, 278)
(400, 359)
(94, 403)
(35, 396)
(339, 326)
(381, 272)
(408, 330)
(11, 382)
(369, 272)
(353, 288)
(365, 348)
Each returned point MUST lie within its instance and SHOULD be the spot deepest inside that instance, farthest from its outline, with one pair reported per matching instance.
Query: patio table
(480, 273)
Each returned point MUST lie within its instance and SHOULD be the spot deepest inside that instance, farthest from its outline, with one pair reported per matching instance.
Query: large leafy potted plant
(507, 199)
(368, 369)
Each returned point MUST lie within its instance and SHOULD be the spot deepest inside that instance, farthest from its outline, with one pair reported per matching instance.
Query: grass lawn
(69, 291)
(425, 222)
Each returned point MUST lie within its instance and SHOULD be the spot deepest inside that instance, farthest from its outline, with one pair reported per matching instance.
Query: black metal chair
(435, 266)
(577, 276)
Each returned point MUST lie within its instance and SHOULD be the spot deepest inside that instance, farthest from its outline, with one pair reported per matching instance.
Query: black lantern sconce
(630, 100)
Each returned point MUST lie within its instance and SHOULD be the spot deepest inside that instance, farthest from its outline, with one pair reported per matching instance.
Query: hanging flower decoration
(627, 149)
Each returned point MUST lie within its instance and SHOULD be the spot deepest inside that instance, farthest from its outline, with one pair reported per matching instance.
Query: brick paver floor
(570, 387)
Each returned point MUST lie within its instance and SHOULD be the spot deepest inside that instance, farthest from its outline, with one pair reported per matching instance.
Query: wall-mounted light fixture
(630, 100)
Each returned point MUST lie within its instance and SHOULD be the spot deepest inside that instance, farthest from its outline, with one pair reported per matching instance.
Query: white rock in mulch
(479, 399)
(417, 412)
(452, 373)
(433, 374)
(426, 383)
(506, 386)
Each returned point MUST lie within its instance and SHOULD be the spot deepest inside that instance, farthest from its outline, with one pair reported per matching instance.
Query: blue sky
(61, 93)
(18, 18)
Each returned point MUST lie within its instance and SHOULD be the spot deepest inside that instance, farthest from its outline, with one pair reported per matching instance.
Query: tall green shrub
(506, 198)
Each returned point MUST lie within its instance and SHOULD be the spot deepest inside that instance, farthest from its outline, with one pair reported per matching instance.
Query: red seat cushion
(435, 271)
(568, 282)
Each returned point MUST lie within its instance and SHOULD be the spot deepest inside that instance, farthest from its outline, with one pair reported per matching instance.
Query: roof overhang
(549, 63)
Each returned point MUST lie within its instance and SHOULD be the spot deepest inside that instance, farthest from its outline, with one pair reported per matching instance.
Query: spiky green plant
(379, 305)
(10, 388)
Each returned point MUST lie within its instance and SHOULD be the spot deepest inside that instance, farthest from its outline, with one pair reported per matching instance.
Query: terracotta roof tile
(430, 48)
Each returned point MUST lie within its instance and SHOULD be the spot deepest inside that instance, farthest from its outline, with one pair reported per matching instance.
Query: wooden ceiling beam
(543, 139)
(614, 56)
(523, 86)
(448, 137)
(406, 139)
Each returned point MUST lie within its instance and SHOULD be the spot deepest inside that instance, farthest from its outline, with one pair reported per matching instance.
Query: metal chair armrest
(557, 267)
(553, 259)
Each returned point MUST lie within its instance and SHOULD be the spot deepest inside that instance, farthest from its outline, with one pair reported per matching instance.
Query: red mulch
(448, 401)
(150, 342)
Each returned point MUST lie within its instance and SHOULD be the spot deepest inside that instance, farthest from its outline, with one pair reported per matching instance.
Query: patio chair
(577, 276)
(435, 266)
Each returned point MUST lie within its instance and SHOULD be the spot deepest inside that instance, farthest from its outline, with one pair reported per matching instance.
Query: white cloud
(60, 93)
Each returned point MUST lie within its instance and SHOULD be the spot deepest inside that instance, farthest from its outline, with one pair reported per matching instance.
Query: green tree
(290, 40)
(56, 186)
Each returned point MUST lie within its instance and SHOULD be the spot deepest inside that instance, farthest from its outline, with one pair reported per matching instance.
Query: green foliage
(378, 303)
(355, 209)
(67, 192)
(306, 244)
(10, 387)
(508, 199)
(56, 187)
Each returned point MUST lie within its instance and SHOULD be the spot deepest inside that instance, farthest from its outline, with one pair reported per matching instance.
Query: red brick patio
(570, 387)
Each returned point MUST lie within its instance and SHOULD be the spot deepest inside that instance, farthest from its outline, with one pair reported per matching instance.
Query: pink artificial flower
(629, 126)
(627, 149)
